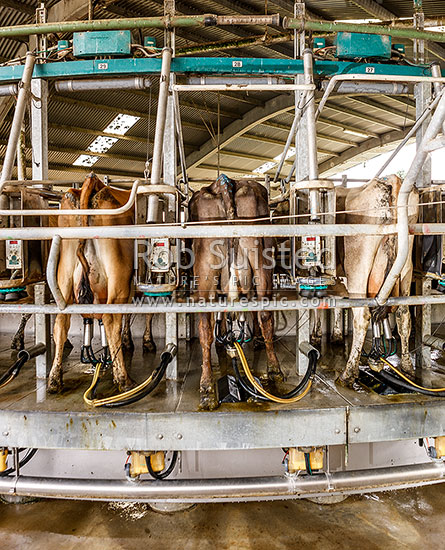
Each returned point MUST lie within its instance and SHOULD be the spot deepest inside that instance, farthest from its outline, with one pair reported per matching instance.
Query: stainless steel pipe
(8, 89)
(153, 306)
(16, 126)
(161, 114)
(431, 132)
(314, 194)
(226, 490)
(127, 83)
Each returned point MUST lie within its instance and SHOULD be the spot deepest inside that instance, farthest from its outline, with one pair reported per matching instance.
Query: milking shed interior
(160, 100)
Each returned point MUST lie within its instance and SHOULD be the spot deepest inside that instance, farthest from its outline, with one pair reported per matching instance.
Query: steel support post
(422, 93)
(301, 173)
(169, 153)
(39, 143)
(423, 325)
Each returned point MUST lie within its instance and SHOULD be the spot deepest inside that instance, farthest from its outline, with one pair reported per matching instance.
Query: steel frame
(339, 426)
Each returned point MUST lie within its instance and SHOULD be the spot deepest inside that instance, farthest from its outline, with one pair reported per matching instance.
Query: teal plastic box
(352, 45)
(98, 43)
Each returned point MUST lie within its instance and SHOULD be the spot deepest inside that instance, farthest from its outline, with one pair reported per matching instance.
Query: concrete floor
(411, 518)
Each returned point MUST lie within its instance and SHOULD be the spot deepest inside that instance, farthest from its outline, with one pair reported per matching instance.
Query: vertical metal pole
(42, 333)
(153, 200)
(171, 319)
(16, 126)
(39, 145)
(422, 94)
(301, 173)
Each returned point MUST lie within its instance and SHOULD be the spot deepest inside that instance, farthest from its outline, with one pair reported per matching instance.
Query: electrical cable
(135, 394)
(164, 474)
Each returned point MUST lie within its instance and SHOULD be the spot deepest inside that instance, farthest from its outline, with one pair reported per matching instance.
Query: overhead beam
(281, 143)
(286, 128)
(385, 108)
(368, 145)
(362, 116)
(272, 108)
(111, 109)
(16, 5)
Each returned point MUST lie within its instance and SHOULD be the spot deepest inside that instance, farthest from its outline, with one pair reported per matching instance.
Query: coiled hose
(135, 394)
(259, 392)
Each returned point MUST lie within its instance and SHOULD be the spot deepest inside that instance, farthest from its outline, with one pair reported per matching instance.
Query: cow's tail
(91, 186)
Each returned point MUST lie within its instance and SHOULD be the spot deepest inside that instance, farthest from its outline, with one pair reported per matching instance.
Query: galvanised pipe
(311, 137)
(78, 212)
(213, 307)
(229, 86)
(194, 231)
(387, 88)
(16, 126)
(301, 24)
(8, 89)
(229, 489)
(162, 22)
(51, 272)
(431, 132)
(128, 83)
(165, 231)
(161, 114)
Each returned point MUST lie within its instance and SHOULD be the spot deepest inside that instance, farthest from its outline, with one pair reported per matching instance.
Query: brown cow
(365, 261)
(228, 199)
(94, 271)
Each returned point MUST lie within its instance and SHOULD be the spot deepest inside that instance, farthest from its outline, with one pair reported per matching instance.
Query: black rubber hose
(398, 382)
(245, 384)
(312, 367)
(165, 473)
(157, 377)
(23, 462)
(16, 367)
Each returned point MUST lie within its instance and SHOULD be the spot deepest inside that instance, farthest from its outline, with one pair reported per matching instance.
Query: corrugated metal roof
(74, 118)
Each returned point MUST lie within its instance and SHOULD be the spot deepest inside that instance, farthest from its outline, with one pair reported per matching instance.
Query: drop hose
(135, 394)
(257, 391)
(405, 383)
(23, 357)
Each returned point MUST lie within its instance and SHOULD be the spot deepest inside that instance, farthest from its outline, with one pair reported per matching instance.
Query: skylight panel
(121, 124)
(85, 160)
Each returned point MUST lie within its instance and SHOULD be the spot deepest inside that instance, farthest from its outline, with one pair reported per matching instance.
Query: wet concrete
(412, 518)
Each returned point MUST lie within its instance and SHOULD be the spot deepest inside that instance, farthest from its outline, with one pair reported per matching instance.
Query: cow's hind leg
(361, 317)
(127, 340)
(208, 400)
(403, 318)
(61, 328)
(113, 329)
(148, 345)
(18, 342)
(258, 340)
(337, 329)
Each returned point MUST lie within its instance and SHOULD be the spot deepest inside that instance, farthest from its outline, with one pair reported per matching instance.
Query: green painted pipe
(110, 25)
(327, 26)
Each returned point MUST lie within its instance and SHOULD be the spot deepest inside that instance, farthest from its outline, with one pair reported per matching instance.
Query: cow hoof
(149, 347)
(127, 346)
(337, 339)
(407, 367)
(258, 343)
(125, 385)
(345, 381)
(55, 385)
(207, 399)
(274, 374)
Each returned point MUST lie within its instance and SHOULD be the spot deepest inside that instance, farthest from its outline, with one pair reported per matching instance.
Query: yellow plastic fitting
(439, 443)
(157, 461)
(3, 459)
